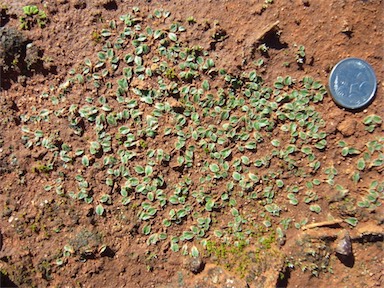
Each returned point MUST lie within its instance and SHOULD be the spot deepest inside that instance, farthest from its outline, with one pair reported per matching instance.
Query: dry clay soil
(35, 224)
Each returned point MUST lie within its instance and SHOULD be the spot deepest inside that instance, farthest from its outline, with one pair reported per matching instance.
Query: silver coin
(352, 83)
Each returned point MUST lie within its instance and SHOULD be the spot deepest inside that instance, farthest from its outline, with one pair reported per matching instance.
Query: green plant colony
(199, 154)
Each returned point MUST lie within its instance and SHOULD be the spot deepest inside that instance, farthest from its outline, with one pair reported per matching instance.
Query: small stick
(321, 224)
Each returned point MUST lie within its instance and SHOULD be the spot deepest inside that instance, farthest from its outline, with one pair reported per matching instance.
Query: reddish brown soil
(35, 225)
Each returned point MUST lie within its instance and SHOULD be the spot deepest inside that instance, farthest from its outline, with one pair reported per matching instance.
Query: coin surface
(352, 83)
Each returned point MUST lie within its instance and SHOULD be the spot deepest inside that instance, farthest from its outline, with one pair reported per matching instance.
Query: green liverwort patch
(190, 151)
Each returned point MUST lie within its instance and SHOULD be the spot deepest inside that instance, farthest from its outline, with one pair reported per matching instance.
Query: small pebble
(195, 265)
(344, 246)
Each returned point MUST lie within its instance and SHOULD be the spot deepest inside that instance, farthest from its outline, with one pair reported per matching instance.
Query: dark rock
(12, 48)
(195, 265)
(344, 246)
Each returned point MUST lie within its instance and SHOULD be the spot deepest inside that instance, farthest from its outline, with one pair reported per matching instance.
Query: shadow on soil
(348, 260)
(282, 281)
(5, 282)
